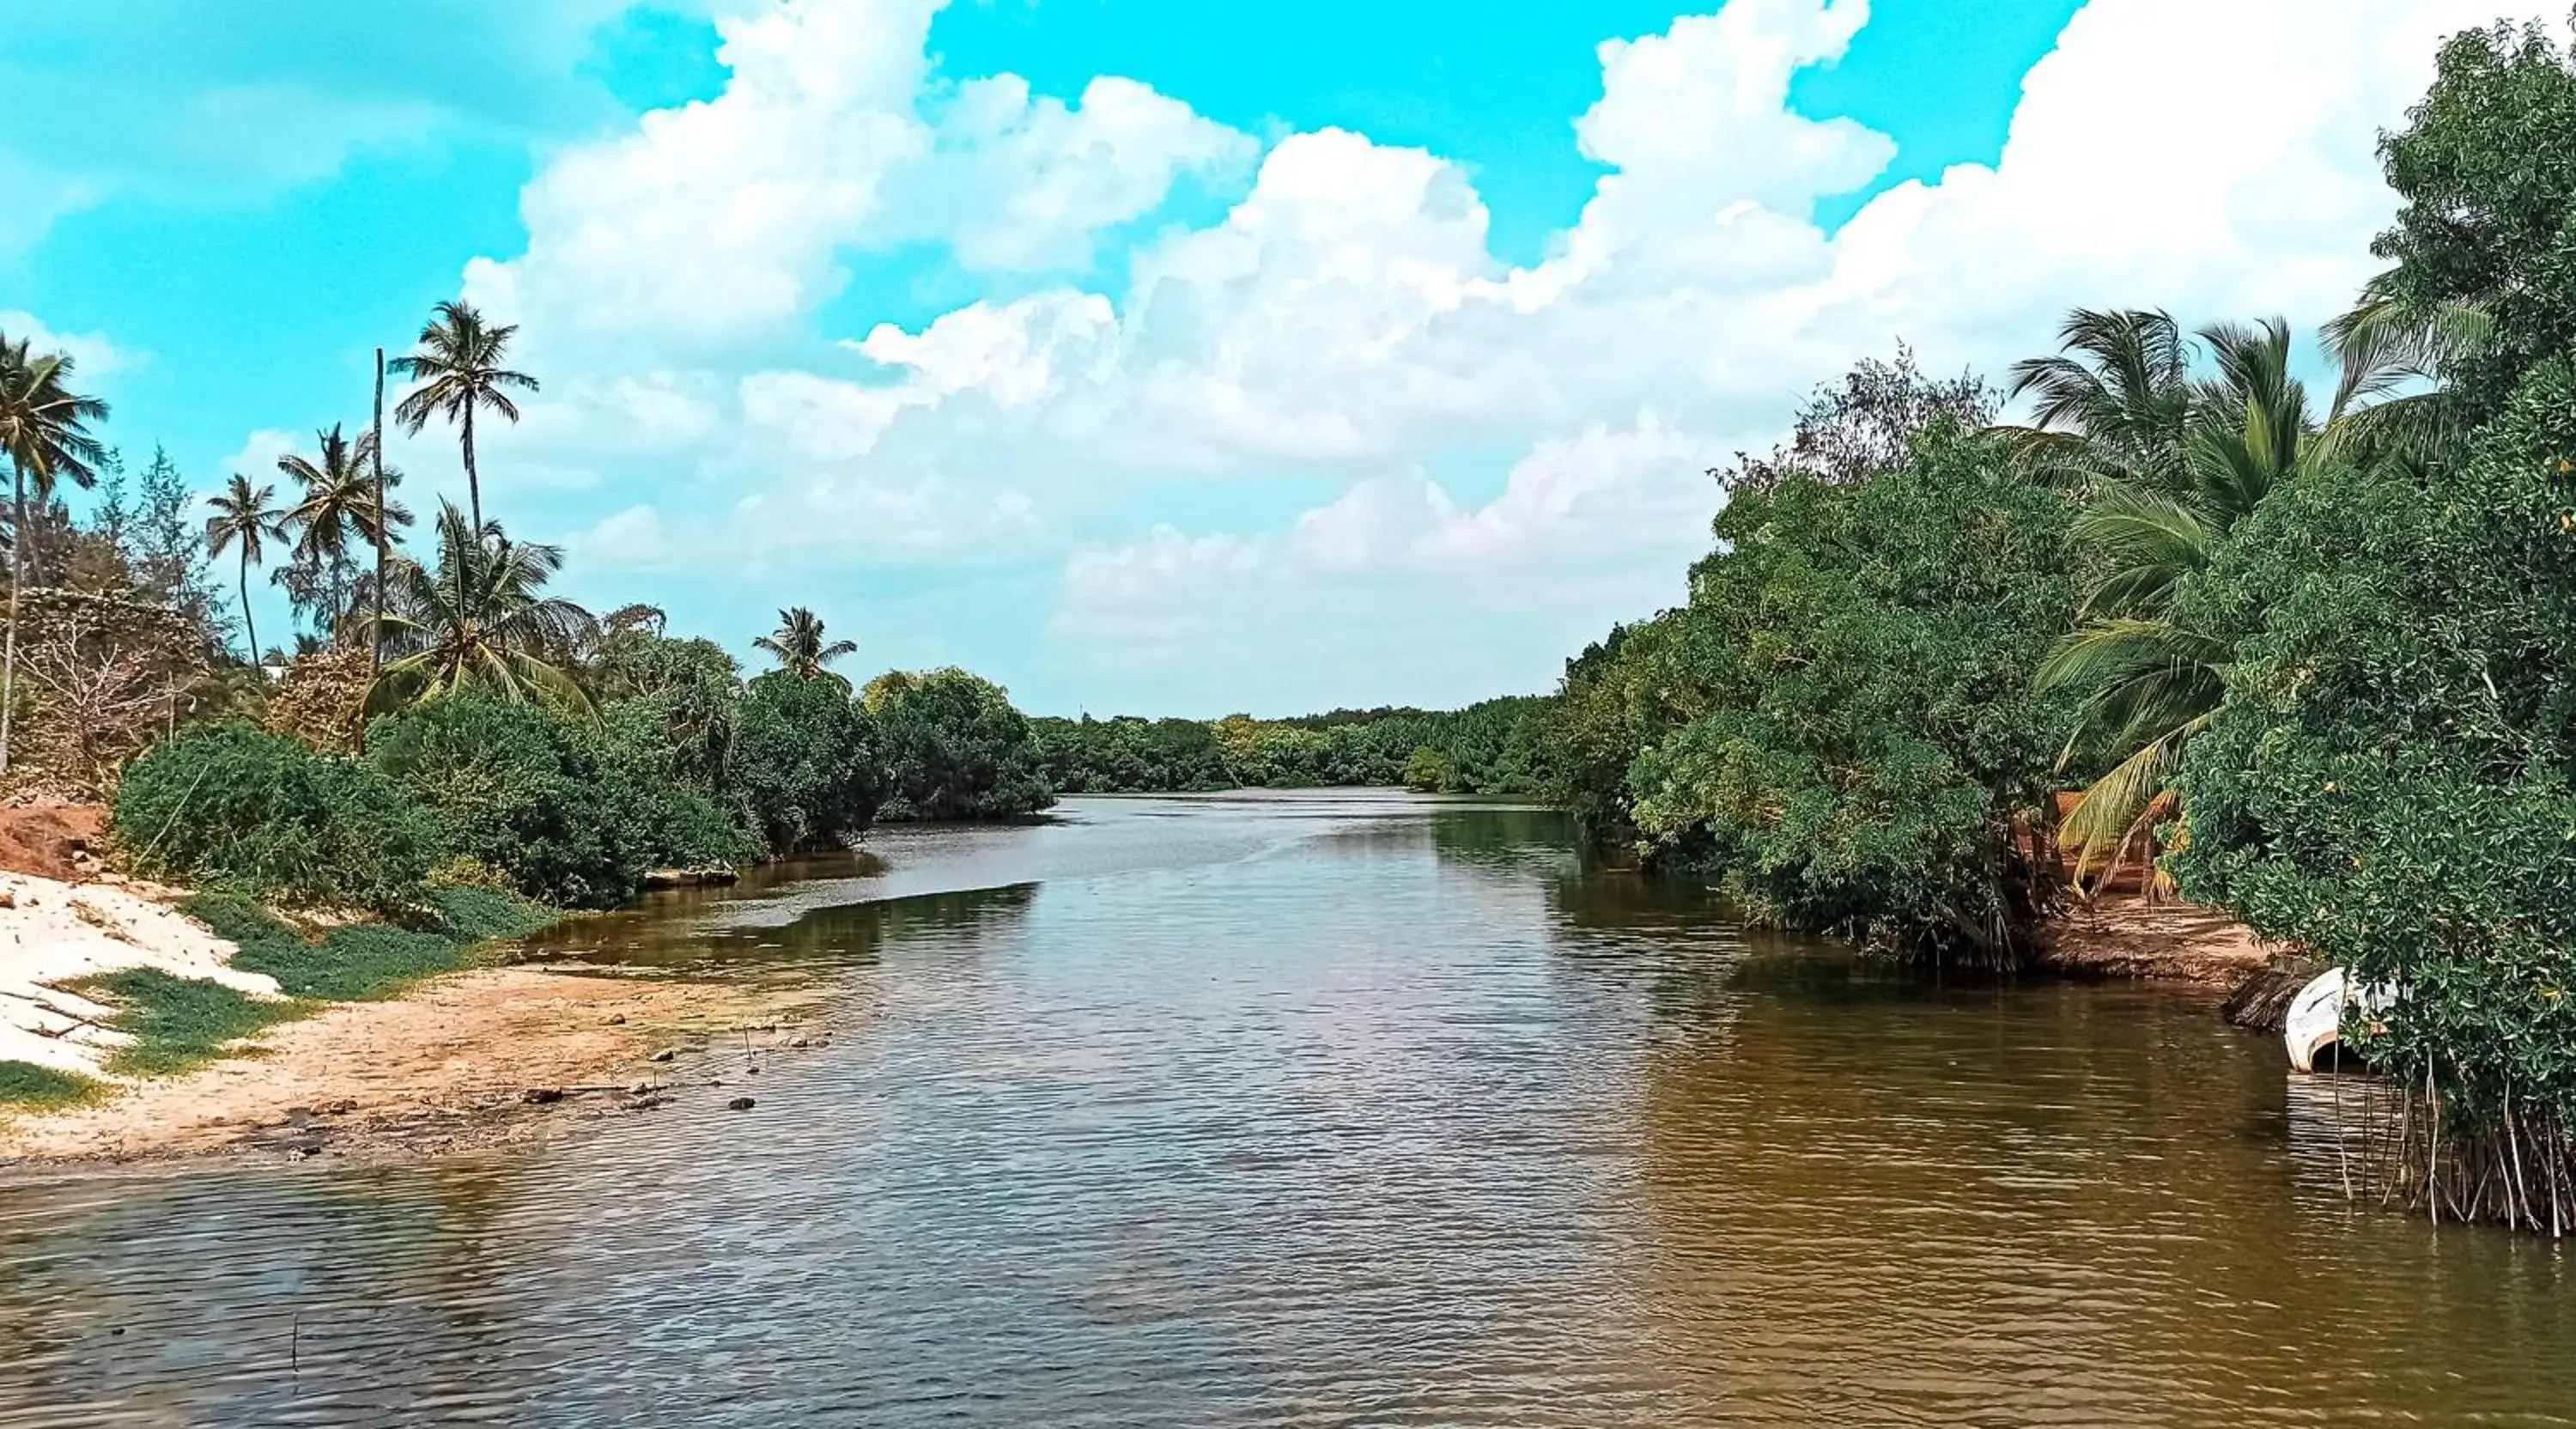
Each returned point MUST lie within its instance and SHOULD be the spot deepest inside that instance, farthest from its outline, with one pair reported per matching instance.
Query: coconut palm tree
(44, 430)
(245, 518)
(798, 643)
(339, 515)
(480, 619)
(2163, 494)
(458, 366)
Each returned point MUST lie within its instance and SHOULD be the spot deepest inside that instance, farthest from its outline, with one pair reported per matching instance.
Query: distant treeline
(1501, 746)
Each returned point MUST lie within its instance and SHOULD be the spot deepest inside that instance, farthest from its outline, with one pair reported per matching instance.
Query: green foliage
(1864, 655)
(1429, 771)
(229, 805)
(807, 762)
(954, 748)
(2486, 169)
(2389, 782)
(1496, 747)
(526, 790)
(178, 1023)
(1127, 755)
(34, 1088)
(349, 962)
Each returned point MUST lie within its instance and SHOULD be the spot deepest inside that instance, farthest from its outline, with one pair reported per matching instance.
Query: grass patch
(178, 1022)
(365, 960)
(24, 1084)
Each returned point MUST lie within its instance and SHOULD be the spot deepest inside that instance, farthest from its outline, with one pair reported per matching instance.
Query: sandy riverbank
(2130, 937)
(446, 1066)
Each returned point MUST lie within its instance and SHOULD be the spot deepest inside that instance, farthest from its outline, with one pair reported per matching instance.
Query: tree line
(2310, 650)
(1499, 746)
(442, 718)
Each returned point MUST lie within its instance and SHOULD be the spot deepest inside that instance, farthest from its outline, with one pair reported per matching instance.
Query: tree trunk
(17, 570)
(473, 483)
(250, 630)
(384, 538)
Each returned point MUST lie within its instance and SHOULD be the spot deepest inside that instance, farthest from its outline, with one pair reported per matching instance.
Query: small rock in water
(739, 1104)
(665, 1055)
(543, 1096)
(751, 1071)
(617, 1019)
(342, 1107)
(640, 1089)
(800, 1042)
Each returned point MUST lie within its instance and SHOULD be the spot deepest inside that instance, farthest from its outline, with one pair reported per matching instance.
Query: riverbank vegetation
(1502, 746)
(2311, 654)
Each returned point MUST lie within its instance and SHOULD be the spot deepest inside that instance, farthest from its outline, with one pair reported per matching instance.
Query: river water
(1317, 1110)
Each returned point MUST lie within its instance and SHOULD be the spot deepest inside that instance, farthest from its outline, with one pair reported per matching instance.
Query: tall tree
(798, 643)
(246, 518)
(44, 428)
(481, 618)
(2171, 464)
(458, 367)
(341, 506)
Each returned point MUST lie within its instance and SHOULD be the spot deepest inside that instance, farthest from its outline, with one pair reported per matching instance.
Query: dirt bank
(52, 840)
(2130, 937)
(448, 1065)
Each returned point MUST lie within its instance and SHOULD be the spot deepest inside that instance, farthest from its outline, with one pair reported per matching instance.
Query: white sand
(61, 932)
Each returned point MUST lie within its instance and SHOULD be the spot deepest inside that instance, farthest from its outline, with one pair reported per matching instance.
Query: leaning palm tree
(798, 644)
(339, 514)
(481, 619)
(44, 430)
(458, 366)
(245, 518)
(2158, 511)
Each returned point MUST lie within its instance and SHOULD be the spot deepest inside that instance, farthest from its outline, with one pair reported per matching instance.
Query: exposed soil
(2131, 937)
(52, 840)
(485, 1056)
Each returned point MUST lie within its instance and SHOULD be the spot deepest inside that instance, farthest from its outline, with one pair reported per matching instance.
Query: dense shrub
(523, 789)
(228, 805)
(806, 763)
(1870, 735)
(954, 748)
(1430, 772)
(2392, 780)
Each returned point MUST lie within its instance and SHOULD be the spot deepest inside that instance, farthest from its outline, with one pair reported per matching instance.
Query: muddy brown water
(1317, 1110)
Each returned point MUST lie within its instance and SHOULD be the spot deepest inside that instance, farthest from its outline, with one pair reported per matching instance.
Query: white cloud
(93, 355)
(1347, 317)
(258, 456)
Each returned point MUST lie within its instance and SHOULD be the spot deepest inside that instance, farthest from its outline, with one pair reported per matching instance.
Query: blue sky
(1264, 356)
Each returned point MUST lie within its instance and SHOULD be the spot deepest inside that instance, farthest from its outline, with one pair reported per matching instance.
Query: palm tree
(481, 619)
(245, 517)
(341, 505)
(2178, 464)
(798, 643)
(458, 366)
(44, 429)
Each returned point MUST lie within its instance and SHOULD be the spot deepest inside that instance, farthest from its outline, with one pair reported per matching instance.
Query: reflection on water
(1321, 1110)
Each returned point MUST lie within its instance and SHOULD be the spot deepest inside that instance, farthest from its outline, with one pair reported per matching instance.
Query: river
(1316, 1110)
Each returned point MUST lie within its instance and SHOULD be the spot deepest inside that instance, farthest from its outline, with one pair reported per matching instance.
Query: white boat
(2314, 1029)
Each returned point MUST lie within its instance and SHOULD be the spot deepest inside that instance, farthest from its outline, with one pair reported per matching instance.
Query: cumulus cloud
(1346, 318)
(92, 354)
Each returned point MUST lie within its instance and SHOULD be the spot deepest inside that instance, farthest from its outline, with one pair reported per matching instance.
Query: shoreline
(481, 1057)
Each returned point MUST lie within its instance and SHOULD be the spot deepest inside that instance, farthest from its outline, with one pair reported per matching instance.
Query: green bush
(522, 788)
(805, 762)
(1429, 772)
(1867, 733)
(229, 805)
(955, 748)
